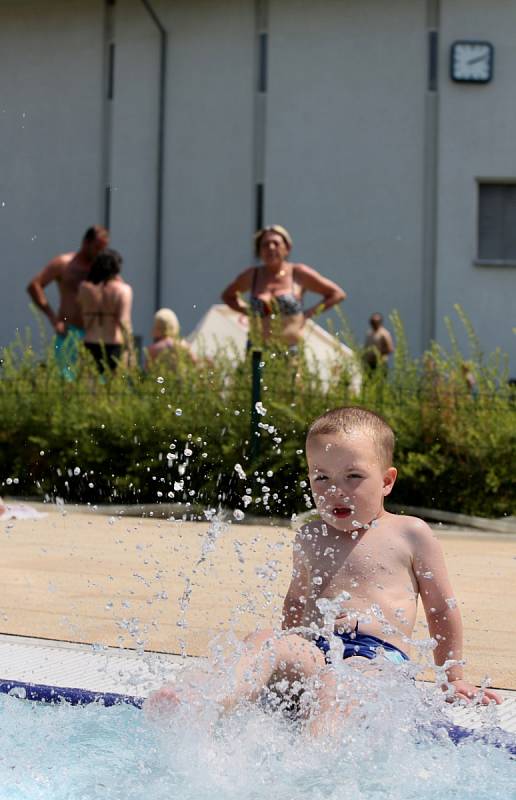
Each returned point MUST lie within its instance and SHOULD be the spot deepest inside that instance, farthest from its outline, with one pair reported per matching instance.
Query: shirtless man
(371, 564)
(68, 270)
(378, 343)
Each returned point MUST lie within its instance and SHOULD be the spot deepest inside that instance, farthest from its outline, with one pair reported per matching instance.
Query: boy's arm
(295, 599)
(441, 610)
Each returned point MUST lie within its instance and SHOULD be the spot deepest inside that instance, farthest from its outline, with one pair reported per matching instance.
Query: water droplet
(160, 379)
(188, 452)
(240, 471)
(76, 471)
(238, 514)
(451, 602)
(178, 412)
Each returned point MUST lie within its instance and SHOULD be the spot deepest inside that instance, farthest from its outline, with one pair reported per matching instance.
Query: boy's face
(347, 479)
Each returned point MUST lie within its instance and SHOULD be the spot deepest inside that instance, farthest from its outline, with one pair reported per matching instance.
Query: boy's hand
(467, 691)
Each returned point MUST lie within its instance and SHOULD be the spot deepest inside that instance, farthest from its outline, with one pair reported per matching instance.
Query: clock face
(472, 62)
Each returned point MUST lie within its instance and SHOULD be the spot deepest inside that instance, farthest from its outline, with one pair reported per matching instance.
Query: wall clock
(471, 62)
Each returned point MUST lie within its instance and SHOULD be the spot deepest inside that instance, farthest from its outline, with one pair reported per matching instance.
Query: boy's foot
(164, 701)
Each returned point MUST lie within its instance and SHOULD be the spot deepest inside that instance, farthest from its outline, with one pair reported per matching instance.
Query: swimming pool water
(60, 752)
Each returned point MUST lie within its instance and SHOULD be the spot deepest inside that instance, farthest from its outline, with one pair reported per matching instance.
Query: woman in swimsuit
(105, 300)
(277, 287)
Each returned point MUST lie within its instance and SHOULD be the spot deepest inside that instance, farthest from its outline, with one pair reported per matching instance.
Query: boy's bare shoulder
(414, 529)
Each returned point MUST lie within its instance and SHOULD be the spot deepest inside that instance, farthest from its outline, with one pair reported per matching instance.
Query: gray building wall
(209, 161)
(477, 139)
(345, 137)
(132, 135)
(51, 78)
(342, 141)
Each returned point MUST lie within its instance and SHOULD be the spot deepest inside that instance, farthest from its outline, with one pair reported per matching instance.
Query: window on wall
(497, 223)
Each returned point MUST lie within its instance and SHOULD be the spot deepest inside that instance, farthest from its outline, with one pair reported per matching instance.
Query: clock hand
(477, 59)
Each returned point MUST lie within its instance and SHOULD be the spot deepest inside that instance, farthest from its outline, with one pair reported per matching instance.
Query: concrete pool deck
(170, 586)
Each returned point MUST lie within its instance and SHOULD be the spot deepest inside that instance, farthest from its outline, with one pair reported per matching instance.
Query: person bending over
(371, 564)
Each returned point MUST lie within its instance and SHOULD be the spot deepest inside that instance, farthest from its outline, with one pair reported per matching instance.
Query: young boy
(372, 564)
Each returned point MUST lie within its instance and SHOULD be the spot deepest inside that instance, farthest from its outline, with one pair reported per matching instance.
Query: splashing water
(393, 744)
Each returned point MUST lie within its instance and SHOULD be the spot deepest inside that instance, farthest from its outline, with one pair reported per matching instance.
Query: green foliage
(176, 435)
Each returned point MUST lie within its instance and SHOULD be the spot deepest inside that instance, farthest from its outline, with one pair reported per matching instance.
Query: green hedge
(177, 436)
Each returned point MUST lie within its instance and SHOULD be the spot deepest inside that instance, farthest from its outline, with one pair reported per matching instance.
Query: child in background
(166, 342)
(371, 564)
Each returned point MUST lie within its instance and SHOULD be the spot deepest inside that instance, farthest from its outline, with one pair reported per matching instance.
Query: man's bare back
(68, 270)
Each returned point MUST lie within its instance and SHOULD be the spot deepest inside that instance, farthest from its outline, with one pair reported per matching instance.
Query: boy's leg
(266, 656)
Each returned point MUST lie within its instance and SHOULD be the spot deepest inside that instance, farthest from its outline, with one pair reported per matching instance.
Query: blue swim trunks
(66, 349)
(361, 644)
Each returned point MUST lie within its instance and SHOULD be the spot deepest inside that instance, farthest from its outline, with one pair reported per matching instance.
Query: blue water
(59, 752)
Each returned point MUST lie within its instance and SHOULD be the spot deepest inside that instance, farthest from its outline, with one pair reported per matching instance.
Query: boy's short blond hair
(349, 419)
(167, 321)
